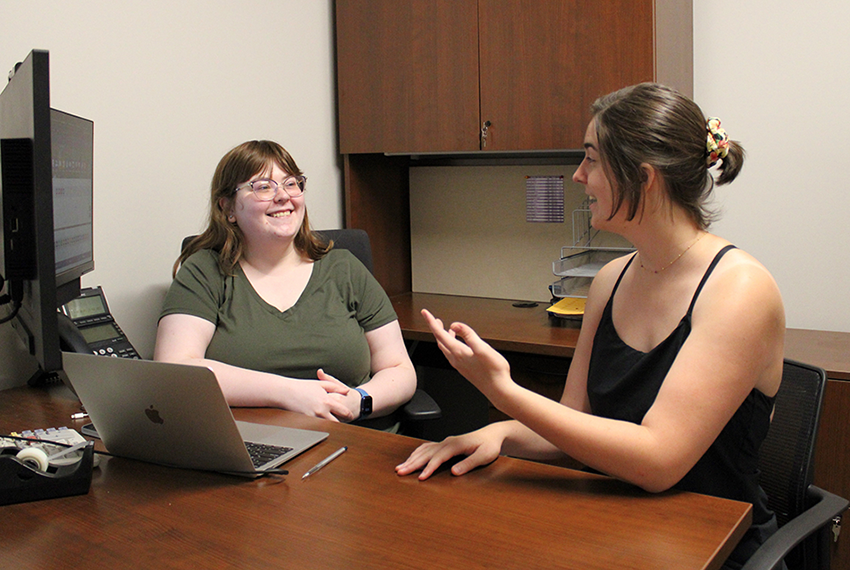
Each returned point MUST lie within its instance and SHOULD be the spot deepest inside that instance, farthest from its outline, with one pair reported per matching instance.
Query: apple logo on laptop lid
(153, 415)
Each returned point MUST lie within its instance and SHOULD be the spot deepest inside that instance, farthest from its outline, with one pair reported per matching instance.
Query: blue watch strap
(365, 403)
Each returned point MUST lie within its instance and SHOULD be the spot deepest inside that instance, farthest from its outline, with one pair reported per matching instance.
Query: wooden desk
(508, 328)
(829, 350)
(355, 513)
(505, 327)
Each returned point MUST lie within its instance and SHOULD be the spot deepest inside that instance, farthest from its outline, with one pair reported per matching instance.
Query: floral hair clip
(717, 142)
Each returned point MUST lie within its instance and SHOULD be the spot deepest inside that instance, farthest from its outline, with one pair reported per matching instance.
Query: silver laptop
(176, 415)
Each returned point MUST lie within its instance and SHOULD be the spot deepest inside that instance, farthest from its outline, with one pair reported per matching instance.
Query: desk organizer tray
(571, 287)
(586, 262)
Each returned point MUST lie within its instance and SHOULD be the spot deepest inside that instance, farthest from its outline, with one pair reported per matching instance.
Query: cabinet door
(543, 63)
(407, 75)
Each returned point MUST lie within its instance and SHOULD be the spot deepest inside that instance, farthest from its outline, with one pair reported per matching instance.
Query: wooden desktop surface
(531, 331)
(498, 321)
(354, 513)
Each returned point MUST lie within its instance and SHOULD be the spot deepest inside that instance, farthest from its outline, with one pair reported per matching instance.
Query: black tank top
(622, 384)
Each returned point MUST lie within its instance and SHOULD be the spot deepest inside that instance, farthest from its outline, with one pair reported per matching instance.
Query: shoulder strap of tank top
(705, 277)
(620, 278)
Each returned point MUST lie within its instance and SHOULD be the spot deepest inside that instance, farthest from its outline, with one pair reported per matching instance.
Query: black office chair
(354, 240)
(421, 406)
(805, 512)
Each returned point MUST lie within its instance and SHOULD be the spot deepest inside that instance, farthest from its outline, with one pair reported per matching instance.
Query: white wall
(777, 75)
(172, 86)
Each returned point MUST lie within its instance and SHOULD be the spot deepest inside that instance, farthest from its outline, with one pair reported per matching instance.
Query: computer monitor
(46, 194)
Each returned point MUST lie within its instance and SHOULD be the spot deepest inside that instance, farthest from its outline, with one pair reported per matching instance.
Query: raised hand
(476, 360)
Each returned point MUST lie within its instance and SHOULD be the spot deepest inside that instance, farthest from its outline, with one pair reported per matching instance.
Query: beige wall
(171, 86)
(776, 74)
(470, 236)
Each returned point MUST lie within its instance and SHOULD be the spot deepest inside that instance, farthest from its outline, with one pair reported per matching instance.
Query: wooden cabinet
(543, 63)
(407, 75)
(419, 76)
(422, 76)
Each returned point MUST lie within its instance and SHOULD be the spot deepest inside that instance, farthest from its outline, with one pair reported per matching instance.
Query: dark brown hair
(237, 167)
(656, 125)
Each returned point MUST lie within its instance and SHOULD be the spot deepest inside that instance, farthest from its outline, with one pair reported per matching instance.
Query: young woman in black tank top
(681, 346)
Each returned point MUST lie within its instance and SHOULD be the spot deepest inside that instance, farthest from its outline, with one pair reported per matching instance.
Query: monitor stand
(42, 378)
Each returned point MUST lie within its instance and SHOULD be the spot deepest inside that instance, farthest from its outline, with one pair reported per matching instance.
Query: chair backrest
(354, 240)
(786, 458)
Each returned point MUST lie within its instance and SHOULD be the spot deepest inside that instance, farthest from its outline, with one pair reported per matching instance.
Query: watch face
(365, 403)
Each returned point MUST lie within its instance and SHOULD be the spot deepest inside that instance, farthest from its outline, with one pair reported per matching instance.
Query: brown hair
(235, 168)
(656, 125)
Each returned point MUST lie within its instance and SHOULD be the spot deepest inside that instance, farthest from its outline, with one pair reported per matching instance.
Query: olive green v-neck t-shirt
(324, 329)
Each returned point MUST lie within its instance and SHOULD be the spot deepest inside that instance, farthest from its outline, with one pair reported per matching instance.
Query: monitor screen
(72, 154)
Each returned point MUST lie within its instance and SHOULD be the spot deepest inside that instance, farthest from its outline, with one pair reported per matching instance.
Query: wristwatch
(365, 403)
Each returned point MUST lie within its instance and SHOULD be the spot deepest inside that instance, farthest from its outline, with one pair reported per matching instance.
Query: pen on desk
(79, 416)
(325, 461)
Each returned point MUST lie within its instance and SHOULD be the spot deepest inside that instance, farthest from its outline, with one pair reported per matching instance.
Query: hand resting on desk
(480, 447)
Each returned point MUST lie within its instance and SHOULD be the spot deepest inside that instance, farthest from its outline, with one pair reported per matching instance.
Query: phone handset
(70, 337)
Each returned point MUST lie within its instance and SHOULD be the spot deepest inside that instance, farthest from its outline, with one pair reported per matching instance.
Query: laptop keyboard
(262, 453)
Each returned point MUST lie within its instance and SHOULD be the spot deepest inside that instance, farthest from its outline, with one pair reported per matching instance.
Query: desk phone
(90, 314)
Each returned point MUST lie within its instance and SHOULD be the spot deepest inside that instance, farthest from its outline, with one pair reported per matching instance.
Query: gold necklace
(677, 258)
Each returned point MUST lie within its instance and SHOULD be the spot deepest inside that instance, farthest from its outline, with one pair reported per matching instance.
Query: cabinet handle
(484, 128)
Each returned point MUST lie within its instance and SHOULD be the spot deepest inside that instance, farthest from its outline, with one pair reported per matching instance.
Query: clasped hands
(326, 398)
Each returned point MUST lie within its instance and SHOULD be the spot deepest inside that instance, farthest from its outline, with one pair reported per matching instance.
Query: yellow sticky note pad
(568, 306)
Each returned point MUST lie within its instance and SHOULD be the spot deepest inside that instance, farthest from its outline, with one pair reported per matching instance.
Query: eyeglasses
(266, 190)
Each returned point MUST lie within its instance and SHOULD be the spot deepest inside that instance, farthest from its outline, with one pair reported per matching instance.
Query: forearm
(520, 441)
(247, 388)
(390, 388)
(250, 388)
(621, 449)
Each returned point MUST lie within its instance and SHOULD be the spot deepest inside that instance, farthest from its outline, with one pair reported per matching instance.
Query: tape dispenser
(31, 474)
